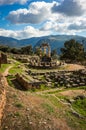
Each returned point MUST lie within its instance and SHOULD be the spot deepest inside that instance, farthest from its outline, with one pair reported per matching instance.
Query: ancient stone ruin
(27, 84)
(57, 79)
(44, 60)
(3, 58)
(2, 97)
(67, 78)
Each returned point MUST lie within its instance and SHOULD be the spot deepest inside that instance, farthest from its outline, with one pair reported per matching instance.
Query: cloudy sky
(33, 18)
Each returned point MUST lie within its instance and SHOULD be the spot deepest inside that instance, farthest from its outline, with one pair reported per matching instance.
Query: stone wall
(67, 78)
(26, 84)
(2, 97)
(3, 58)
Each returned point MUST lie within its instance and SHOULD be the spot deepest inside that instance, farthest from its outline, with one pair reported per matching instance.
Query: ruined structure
(3, 58)
(2, 96)
(44, 60)
(0, 61)
(28, 84)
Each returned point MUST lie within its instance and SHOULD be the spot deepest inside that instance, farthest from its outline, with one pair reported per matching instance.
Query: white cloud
(70, 7)
(56, 22)
(4, 2)
(36, 13)
(27, 32)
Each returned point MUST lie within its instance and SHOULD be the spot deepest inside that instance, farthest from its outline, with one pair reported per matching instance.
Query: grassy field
(4, 67)
(16, 68)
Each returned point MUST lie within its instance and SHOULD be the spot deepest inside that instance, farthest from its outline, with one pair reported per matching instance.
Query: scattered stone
(28, 109)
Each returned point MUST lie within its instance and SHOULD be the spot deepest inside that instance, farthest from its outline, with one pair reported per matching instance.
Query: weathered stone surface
(68, 78)
(3, 58)
(2, 97)
(28, 84)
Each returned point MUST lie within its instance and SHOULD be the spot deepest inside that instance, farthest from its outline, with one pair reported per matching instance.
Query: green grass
(16, 69)
(48, 108)
(66, 89)
(17, 114)
(41, 88)
(54, 92)
(53, 100)
(80, 106)
(4, 67)
(74, 122)
(19, 105)
(9, 79)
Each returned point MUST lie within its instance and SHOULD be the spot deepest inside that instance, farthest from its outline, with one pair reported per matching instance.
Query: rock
(27, 109)
(80, 97)
(70, 100)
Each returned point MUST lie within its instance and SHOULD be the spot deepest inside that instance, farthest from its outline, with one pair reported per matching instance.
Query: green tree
(4, 48)
(27, 50)
(72, 51)
(15, 51)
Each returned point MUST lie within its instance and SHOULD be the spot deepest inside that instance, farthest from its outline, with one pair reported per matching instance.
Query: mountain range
(55, 41)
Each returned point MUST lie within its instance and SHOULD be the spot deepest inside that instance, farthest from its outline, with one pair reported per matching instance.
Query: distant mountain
(18, 43)
(55, 41)
(8, 41)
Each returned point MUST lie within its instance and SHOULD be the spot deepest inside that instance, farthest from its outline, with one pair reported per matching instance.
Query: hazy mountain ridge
(55, 41)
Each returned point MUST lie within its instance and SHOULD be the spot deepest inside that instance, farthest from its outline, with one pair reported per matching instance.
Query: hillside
(55, 41)
(42, 110)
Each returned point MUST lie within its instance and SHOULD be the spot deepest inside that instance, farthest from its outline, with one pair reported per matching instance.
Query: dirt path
(47, 91)
(4, 76)
(6, 71)
(72, 67)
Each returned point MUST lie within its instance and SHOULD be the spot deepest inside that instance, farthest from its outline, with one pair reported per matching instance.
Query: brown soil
(73, 67)
(73, 93)
(24, 111)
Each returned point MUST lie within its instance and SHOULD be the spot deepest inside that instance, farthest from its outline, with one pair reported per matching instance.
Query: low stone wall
(26, 84)
(67, 79)
(2, 97)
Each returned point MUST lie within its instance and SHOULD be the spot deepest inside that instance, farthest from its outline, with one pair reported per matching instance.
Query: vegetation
(27, 50)
(16, 68)
(48, 108)
(19, 105)
(4, 67)
(80, 105)
(54, 54)
(73, 51)
(9, 79)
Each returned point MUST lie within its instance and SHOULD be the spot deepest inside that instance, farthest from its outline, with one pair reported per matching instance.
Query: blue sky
(32, 18)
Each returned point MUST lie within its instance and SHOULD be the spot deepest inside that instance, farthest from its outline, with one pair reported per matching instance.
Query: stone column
(44, 50)
(49, 52)
(0, 60)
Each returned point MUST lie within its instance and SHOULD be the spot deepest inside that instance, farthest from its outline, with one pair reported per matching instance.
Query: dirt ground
(24, 111)
(73, 93)
(73, 67)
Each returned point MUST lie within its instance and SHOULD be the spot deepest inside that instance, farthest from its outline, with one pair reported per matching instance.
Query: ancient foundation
(27, 84)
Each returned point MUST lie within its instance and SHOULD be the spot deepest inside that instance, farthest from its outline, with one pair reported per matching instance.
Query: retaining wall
(27, 84)
(2, 97)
